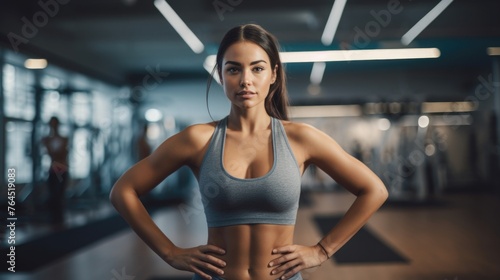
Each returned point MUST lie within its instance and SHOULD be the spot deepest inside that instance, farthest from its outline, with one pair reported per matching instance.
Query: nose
(244, 84)
(245, 79)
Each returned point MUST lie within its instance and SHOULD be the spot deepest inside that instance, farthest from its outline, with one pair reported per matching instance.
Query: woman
(248, 166)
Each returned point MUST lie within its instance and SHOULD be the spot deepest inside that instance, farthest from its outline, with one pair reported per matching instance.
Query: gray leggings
(297, 276)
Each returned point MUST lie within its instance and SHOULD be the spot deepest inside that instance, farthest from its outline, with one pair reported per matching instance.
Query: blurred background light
(383, 124)
(325, 111)
(430, 149)
(317, 72)
(358, 55)
(423, 121)
(180, 26)
(154, 131)
(333, 22)
(32, 63)
(409, 36)
(153, 115)
(492, 51)
(448, 107)
(169, 123)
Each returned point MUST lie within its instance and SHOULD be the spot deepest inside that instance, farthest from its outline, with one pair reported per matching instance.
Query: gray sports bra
(270, 199)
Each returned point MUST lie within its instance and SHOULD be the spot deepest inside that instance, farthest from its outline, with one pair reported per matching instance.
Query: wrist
(168, 254)
(323, 250)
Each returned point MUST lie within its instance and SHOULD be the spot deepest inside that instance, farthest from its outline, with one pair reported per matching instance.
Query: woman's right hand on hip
(199, 260)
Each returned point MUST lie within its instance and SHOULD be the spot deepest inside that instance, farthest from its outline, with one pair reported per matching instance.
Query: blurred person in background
(57, 148)
(252, 160)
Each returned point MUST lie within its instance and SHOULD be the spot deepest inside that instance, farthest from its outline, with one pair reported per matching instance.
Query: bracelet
(324, 250)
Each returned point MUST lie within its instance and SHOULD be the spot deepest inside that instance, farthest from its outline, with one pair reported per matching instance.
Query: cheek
(228, 87)
(230, 80)
(266, 81)
(269, 78)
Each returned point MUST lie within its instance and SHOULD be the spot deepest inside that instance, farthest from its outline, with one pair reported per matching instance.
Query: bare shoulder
(198, 134)
(301, 132)
(185, 146)
(309, 142)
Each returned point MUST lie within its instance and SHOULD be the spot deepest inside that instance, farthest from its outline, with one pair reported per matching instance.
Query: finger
(212, 249)
(285, 249)
(208, 267)
(285, 267)
(283, 259)
(213, 260)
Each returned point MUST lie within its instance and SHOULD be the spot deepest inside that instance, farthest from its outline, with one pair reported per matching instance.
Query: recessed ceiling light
(32, 63)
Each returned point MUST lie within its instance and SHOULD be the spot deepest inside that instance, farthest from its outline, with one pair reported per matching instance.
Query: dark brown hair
(276, 102)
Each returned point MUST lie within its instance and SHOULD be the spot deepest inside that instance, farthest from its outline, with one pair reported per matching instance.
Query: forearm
(127, 203)
(358, 214)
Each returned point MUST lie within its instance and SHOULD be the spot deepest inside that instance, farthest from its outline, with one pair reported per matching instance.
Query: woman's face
(247, 74)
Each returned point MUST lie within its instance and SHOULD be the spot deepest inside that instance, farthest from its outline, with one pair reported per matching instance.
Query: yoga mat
(364, 246)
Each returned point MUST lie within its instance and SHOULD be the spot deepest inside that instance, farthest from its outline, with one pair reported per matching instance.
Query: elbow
(115, 195)
(121, 195)
(382, 193)
(377, 192)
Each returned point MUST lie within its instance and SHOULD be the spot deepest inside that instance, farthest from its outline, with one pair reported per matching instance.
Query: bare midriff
(249, 249)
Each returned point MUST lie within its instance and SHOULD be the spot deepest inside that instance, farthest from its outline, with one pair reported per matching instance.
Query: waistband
(198, 277)
(297, 276)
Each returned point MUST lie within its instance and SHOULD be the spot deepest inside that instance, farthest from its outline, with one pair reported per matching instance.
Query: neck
(53, 132)
(248, 120)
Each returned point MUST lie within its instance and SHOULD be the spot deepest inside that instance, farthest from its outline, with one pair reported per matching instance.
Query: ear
(273, 78)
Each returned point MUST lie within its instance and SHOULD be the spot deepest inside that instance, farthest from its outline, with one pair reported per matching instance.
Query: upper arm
(176, 151)
(324, 152)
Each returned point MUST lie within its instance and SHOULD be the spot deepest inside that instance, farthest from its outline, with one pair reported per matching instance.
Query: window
(18, 152)
(19, 93)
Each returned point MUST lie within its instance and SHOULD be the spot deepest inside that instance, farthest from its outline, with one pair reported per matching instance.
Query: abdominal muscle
(249, 249)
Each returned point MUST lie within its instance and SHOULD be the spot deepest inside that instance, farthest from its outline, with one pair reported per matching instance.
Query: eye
(258, 69)
(232, 70)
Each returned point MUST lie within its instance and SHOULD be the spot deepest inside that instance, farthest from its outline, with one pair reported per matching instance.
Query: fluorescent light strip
(448, 107)
(493, 51)
(356, 55)
(459, 119)
(173, 18)
(333, 22)
(32, 63)
(325, 111)
(424, 22)
(317, 72)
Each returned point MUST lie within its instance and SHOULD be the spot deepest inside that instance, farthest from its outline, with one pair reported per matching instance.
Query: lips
(246, 93)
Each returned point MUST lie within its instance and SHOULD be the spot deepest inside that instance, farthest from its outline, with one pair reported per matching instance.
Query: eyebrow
(239, 64)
